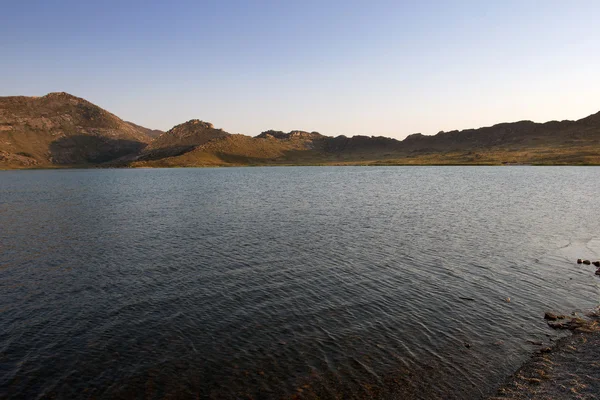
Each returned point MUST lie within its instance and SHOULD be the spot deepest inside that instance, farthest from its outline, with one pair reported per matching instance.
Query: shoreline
(92, 167)
(570, 368)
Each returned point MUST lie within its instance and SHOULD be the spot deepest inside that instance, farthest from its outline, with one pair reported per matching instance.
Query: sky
(383, 68)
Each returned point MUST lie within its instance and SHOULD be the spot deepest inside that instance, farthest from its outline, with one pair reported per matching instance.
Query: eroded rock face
(271, 134)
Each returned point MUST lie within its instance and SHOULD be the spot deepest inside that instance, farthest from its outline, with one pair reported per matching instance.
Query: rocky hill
(61, 129)
(228, 149)
(181, 139)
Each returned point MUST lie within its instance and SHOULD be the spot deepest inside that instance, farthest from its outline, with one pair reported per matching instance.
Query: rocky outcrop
(302, 135)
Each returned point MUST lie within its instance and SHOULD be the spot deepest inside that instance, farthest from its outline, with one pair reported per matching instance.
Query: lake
(287, 282)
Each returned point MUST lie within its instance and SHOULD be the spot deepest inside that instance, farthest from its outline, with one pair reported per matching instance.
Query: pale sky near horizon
(350, 67)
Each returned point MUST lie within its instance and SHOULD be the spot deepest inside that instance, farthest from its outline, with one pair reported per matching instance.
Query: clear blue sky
(349, 67)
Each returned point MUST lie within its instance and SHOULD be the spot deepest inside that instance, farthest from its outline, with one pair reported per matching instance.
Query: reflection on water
(282, 282)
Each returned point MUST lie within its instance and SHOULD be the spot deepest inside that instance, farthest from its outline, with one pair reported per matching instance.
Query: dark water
(281, 282)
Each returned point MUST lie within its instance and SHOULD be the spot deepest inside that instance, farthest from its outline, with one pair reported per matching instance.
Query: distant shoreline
(92, 167)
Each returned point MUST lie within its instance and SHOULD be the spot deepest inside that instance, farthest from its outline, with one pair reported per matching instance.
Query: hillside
(61, 129)
(239, 150)
(151, 133)
(524, 142)
(181, 139)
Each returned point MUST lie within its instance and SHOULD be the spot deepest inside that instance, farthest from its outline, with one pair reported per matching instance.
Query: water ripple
(285, 282)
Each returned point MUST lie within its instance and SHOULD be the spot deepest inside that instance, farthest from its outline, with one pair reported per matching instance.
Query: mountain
(61, 129)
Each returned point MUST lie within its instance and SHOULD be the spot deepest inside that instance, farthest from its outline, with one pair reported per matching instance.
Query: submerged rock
(596, 263)
(586, 262)
(576, 324)
(553, 317)
(550, 316)
(535, 342)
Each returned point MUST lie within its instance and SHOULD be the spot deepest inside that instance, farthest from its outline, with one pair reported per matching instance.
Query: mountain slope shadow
(164, 152)
(84, 149)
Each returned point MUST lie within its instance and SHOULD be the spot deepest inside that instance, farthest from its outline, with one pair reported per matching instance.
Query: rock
(575, 324)
(550, 316)
(579, 261)
(467, 345)
(557, 325)
(596, 263)
(533, 381)
(586, 262)
(507, 300)
(598, 271)
(535, 342)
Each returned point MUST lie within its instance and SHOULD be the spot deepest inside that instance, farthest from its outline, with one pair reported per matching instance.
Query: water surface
(281, 282)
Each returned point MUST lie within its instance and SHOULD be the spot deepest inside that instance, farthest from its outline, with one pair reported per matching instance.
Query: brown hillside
(243, 150)
(62, 129)
(523, 134)
(181, 139)
(564, 142)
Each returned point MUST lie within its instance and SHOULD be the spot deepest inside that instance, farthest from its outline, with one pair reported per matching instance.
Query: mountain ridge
(60, 129)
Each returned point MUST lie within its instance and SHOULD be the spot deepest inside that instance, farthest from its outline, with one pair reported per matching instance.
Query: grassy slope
(237, 150)
(242, 150)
